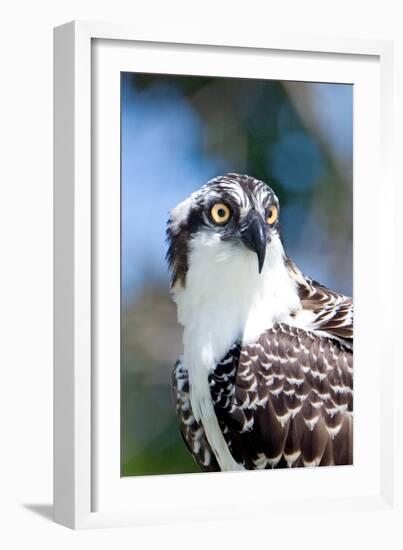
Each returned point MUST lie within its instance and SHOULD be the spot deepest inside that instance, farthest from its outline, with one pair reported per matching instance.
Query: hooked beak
(254, 237)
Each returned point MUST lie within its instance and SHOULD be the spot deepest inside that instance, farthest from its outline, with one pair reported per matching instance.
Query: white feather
(181, 212)
(225, 299)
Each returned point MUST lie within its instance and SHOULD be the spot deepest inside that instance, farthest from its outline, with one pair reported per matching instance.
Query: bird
(265, 379)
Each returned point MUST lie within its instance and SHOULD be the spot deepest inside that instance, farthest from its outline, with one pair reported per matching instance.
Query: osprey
(266, 375)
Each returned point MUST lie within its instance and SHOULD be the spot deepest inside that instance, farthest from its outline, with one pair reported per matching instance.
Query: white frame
(109, 59)
(75, 467)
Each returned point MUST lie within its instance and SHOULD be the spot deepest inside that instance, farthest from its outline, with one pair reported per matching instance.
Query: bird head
(232, 211)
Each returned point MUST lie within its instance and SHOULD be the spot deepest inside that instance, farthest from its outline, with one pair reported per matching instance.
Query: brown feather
(285, 401)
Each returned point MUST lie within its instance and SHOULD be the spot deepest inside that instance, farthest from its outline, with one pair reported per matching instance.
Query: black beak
(254, 237)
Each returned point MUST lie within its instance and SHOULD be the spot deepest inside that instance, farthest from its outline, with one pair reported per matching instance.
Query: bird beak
(254, 237)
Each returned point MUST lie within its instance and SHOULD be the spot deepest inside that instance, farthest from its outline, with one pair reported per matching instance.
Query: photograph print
(236, 274)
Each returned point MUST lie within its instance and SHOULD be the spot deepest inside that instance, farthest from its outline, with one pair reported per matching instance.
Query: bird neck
(226, 300)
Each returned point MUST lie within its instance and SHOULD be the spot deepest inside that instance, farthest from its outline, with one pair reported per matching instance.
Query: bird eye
(272, 214)
(220, 213)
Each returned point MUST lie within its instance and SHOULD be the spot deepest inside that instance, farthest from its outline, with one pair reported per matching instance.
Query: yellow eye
(220, 213)
(272, 215)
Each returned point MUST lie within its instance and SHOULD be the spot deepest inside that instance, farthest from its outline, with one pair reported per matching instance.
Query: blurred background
(177, 133)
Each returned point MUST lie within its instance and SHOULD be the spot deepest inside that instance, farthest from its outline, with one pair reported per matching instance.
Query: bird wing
(333, 312)
(286, 400)
(192, 431)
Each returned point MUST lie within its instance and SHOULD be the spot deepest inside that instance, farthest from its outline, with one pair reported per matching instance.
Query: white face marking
(216, 188)
(180, 213)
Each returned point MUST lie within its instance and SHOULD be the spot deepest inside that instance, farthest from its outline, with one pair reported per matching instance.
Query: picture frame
(88, 490)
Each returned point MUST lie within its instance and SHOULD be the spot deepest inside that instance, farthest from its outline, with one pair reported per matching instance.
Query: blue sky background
(164, 160)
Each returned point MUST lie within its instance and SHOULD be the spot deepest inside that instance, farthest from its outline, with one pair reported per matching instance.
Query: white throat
(225, 299)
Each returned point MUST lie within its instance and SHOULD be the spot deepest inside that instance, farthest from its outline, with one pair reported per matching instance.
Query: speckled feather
(192, 431)
(286, 400)
(333, 312)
